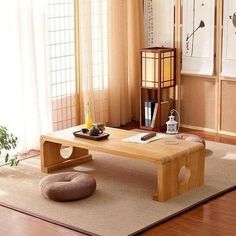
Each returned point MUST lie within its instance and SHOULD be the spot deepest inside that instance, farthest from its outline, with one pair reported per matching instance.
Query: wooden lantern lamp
(158, 73)
(158, 67)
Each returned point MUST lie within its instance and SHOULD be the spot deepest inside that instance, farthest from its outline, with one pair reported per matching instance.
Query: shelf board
(147, 128)
(172, 86)
(201, 76)
(163, 127)
(223, 78)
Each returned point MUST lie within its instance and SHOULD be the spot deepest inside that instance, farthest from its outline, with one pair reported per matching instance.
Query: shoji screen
(61, 43)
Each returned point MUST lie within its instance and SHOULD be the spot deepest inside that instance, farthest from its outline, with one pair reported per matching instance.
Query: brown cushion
(67, 186)
(191, 137)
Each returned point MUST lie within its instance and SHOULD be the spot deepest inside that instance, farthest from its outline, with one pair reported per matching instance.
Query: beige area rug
(122, 204)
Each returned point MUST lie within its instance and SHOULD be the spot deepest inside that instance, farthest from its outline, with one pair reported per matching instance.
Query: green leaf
(6, 158)
(11, 162)
(17, 162)
(7, 142)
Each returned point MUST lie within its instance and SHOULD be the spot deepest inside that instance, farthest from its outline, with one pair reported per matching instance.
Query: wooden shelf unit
(158, 83)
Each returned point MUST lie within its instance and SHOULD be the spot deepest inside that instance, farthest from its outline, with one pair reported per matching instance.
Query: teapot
(94, 131)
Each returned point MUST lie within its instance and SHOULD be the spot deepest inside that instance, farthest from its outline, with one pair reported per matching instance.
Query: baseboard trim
(208, 130)
(227, 133)
(198, 128)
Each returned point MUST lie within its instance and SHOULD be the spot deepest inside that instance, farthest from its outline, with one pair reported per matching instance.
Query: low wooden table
(168, 156)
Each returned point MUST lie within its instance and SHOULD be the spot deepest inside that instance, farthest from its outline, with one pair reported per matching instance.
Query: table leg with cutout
(52, 160)
(180, 174)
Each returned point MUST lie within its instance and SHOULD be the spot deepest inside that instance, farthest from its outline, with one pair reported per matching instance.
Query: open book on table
(137, 138)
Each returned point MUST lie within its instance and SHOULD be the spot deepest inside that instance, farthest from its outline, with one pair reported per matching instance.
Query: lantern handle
(171, 112)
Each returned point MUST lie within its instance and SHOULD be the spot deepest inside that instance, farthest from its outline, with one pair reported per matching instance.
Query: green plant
(8, 142)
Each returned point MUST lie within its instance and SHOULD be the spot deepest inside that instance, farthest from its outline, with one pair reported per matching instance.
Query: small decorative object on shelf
(157, 87)
(172, 124)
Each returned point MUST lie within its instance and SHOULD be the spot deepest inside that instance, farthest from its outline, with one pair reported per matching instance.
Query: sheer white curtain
(93, 57)
(24, 86)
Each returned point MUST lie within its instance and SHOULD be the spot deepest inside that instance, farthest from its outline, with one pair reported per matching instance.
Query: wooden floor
(216, 217)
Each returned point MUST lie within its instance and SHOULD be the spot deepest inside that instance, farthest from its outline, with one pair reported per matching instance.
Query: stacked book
(149, 107)
(151, 112)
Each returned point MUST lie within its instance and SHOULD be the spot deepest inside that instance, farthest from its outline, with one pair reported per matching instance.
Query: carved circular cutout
(184, 175)
(66, 151)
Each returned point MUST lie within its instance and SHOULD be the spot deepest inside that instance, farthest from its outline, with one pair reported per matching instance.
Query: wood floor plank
(215, 217)
(13, 223)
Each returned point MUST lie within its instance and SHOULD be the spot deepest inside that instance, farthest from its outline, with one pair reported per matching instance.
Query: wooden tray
(80, 134)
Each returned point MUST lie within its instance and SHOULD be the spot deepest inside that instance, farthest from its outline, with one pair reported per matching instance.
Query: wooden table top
(159, 151)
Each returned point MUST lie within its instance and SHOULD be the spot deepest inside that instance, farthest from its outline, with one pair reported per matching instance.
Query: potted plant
(8, 143)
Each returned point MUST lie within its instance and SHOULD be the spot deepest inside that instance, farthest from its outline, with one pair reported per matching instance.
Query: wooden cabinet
(157, 87)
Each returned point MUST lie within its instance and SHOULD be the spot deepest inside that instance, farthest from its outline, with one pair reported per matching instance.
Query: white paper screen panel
(61, 47)
(159, 23)
(229, 39)
(198, 37)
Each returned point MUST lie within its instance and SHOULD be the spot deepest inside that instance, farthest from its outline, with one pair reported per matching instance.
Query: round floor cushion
(67, 186)
(191, 137)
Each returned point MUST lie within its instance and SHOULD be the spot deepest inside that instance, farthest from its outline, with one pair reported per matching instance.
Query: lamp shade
(158, 67)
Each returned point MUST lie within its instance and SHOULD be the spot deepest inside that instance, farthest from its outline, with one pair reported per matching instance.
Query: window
(61, 45)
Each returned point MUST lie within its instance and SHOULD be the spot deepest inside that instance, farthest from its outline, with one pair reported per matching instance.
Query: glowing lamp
(158, 67)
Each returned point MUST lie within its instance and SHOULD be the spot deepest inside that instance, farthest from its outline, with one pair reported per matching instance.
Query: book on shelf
(165, 110)
(154, 116)
(151, 110)
(146, 110)
(149, 106)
